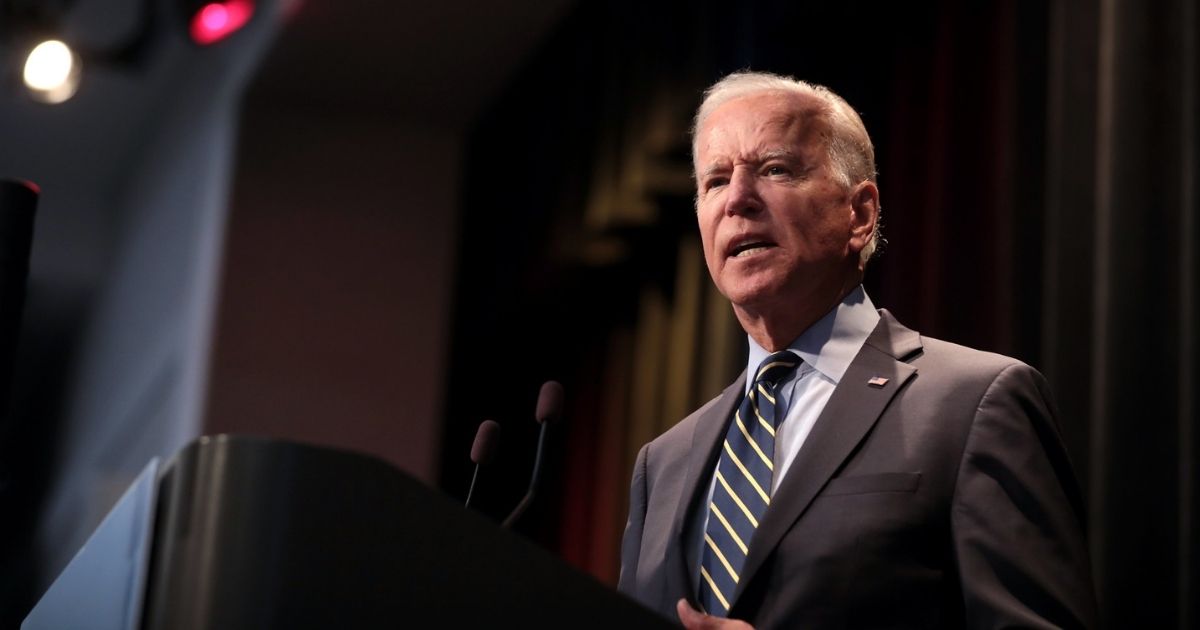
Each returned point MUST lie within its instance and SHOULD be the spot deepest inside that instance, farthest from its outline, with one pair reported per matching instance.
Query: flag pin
(877, 381)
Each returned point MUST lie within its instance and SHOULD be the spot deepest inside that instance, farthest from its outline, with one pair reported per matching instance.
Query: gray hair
(846, 140)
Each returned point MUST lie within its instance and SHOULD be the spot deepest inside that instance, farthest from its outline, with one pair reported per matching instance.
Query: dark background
(431, 211)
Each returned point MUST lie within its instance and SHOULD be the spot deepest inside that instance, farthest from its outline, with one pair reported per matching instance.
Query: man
(858, 474)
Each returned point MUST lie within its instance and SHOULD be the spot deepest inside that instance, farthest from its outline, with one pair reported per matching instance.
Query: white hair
(846, 140)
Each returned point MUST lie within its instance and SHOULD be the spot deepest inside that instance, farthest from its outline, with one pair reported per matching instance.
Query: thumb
(692, 618)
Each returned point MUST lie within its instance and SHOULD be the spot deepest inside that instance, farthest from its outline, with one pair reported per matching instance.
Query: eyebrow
(777, 154)
(711, 170)
(765, 156)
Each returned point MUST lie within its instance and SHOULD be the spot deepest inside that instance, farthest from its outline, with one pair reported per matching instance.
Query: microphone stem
(471, 490)
(533, 481)
(537, 459)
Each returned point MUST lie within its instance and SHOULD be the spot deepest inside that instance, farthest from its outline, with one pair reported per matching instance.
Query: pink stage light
(217, 20)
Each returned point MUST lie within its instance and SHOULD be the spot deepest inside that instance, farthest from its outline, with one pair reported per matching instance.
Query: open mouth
(749, 248)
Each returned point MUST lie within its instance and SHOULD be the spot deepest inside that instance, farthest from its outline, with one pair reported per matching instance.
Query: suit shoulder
(676, 442)
(964, 362)
(942, 359)
(952, 373)
(686, 426)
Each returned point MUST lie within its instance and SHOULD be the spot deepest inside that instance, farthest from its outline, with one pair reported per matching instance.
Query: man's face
(775, 221)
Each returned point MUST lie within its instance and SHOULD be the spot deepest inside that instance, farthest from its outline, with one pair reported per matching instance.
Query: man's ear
(864, 213)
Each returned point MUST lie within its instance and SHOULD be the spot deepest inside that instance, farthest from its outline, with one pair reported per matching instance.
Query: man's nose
(743, 197)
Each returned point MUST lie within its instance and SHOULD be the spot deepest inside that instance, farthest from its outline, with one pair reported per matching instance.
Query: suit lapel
(682, 561)
(849, 415)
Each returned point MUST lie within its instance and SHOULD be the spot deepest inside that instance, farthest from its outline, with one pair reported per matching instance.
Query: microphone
(549, 410)
(18, 202)
(483, 451)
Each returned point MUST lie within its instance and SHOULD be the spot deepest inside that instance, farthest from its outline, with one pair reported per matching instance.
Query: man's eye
(717, 182)
(776, 169)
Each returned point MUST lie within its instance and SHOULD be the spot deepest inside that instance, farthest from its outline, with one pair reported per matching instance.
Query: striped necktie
(743, 485)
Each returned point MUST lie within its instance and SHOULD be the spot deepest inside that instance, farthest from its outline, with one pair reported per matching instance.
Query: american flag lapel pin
(877, 381)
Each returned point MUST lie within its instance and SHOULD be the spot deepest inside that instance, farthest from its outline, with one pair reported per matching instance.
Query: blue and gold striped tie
(743, 487)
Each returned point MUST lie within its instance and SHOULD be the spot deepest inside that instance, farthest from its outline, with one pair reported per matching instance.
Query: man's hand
(693, 619)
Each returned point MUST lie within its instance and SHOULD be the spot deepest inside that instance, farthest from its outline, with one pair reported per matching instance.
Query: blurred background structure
(313, 225)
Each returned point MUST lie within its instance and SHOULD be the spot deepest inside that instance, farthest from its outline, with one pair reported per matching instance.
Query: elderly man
(858, 475)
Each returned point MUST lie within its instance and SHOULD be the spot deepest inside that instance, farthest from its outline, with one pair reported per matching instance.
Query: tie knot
(775, 367)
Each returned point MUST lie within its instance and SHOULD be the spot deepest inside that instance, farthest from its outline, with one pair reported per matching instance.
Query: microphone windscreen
(486, 440)
(550, 402)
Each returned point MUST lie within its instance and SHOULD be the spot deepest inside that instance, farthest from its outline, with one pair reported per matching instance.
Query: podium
(239, 532)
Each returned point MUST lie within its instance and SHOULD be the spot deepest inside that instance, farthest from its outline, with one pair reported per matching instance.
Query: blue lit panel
(103, 585)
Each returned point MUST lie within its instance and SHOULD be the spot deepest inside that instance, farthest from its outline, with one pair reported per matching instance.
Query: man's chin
(752, 289)
(755, 301)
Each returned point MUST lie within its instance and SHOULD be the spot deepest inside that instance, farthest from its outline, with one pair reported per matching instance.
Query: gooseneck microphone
(549, 410)
(483, 451)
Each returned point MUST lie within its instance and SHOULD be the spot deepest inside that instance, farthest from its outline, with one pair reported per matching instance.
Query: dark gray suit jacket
(942, 499)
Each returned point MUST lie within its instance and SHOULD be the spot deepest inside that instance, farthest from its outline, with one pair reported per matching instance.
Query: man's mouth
(749, 248)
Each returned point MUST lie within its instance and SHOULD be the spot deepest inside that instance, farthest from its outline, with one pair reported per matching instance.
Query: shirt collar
(829, 345)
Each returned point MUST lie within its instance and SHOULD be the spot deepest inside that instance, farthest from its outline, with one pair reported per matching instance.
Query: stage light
(215, 21)
(52, 71)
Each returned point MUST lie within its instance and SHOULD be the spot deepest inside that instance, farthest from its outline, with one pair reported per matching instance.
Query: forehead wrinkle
(794, 125)
(785, 108)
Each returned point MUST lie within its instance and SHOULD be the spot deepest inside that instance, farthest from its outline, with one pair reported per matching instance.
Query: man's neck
(775, 326)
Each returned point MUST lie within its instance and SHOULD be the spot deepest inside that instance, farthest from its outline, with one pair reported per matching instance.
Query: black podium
(242, 532)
